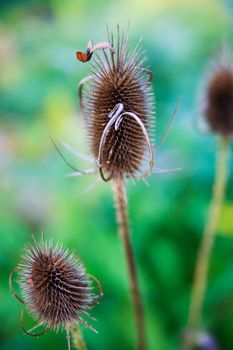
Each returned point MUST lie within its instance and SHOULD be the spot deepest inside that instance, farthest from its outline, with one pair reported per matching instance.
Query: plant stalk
(206, 245)
(78, 340)
(122, 217)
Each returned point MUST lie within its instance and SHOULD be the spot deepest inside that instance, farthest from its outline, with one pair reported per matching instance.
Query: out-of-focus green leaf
(225, 226)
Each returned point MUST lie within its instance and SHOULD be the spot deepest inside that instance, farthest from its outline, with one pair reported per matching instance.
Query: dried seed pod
(218, 100)
(55, 287)
(118, 108)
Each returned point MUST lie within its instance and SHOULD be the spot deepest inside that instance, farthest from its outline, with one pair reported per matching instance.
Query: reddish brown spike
(83, 57)
(86, 56)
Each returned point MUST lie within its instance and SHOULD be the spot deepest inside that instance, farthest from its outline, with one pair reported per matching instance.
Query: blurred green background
(39, 75)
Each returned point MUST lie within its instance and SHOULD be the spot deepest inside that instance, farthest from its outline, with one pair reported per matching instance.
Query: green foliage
(38, 98)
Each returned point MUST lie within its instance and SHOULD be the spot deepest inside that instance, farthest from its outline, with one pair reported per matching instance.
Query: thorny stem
(122, 216)
(78, 340)
(204, 253)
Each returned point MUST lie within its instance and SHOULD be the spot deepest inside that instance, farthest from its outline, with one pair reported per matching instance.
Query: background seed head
(119, 77)
(218, 108)
(55, 287)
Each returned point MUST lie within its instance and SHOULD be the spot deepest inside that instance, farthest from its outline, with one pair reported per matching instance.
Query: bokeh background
(39, 75)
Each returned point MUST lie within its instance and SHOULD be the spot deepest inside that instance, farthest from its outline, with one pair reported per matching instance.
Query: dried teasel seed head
(218, 105)
(118, 108)
(55, 287)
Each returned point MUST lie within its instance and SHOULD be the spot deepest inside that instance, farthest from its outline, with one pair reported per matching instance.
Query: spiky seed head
(120, 88)
(218, 108)
(54, 284)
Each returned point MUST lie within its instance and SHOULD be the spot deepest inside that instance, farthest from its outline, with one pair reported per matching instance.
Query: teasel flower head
(55, 287)
(218, 94)
(117, 104)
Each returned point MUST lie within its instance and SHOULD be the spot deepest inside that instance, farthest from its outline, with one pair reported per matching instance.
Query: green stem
(206, 245)
(78, 340)
(122, 215)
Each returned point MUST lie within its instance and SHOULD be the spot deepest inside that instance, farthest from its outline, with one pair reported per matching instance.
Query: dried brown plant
(217, 107)
(117, 103)
(55, 287)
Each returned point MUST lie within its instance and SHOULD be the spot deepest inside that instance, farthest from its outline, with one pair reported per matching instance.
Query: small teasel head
(117, 104)
(218, 94)
(55, 287)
